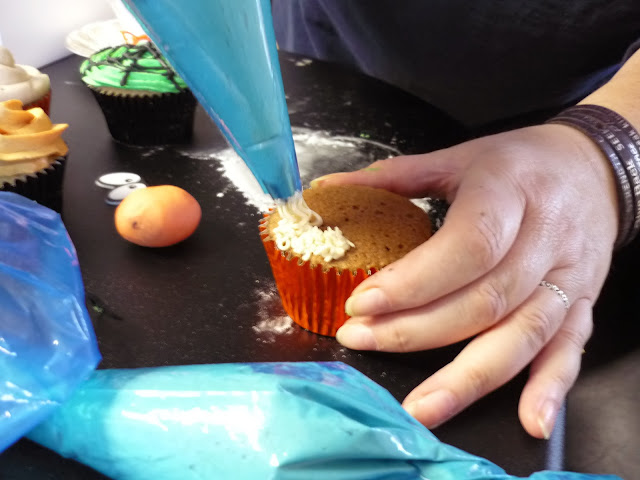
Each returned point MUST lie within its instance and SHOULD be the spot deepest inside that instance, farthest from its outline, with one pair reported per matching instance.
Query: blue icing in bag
(274, 421)
(226, 52)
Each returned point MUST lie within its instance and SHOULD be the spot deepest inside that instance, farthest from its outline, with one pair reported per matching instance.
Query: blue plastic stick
(226, 52)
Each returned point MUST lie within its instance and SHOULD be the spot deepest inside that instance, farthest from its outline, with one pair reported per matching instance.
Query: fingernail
(434, 409)
(347, 306)
(358, 337)
(547, 418)
(316, 182)
(412, 408)
(369, 302)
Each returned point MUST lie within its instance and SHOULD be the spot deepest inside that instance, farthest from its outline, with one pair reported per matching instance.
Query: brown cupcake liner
(44, 187)
(312, 296)
(44, 103)
(148, 119)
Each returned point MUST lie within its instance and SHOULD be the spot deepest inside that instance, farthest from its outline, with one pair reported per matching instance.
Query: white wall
(34, 30)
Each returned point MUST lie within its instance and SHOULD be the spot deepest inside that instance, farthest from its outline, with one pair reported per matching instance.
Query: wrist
(593, 163)
(619, 144)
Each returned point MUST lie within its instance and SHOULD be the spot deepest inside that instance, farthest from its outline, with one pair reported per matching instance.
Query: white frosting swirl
(20, 82)
(299, 231)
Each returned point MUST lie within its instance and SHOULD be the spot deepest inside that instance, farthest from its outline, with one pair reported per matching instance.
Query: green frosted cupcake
(143, 99)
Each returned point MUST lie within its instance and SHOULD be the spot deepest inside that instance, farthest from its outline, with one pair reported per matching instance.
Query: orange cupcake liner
(313, 297)
(44, 103)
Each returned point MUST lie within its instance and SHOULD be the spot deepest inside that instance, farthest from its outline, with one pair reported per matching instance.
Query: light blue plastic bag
(47, 343)
(267, 421)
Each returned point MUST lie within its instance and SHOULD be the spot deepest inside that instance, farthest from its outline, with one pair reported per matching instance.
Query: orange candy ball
(157, 216)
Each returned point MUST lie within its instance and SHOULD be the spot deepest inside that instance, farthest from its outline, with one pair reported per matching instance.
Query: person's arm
(622, 93)
(523, 208)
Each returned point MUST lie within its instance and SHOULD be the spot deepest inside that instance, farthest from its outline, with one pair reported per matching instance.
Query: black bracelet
(620, 143)
(625, 148)
(626, 141)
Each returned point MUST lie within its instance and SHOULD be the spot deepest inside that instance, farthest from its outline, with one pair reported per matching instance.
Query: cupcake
(363, 230)
(143, 99)
(24, 83)
(32, 154)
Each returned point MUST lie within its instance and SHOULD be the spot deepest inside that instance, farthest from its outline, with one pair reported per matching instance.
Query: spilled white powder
(237, 172)
(282, 325)
(273, 320)
(318, 153)
(152, 151)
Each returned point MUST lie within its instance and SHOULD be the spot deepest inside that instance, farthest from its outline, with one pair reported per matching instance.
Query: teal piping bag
(226, 52)
(267, 421)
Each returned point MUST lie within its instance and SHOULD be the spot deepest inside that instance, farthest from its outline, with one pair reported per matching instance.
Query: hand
(526, 205)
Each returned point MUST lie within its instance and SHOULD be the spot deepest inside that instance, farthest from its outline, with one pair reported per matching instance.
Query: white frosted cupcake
(24, 83)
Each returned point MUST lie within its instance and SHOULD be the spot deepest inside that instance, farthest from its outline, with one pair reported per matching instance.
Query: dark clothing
(478, 60)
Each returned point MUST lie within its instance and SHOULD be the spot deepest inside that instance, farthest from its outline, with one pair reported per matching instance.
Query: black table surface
(196, 302)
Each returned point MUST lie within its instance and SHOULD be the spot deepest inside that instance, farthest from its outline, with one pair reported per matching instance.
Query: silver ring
(555, 288)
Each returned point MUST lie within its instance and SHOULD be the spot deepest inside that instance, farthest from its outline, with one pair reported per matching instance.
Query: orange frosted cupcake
(316, 268)
(32, 154)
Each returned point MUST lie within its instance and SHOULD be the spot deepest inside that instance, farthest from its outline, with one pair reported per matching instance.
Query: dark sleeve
(631, 50)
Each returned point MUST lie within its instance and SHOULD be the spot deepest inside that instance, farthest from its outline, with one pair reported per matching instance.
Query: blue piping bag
(47, 343)
(268, 421)
(225, 50)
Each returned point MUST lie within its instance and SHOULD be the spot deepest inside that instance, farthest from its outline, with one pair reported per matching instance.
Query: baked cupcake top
(382, 226)
(29, 141)
(20, 82)
(138, 67)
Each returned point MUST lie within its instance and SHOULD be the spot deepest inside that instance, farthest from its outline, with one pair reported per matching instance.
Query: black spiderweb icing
(135, 53)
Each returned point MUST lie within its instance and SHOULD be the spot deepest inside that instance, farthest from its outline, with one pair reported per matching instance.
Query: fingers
(490, 360)
(459, 315)
(435, 173)
(554, 371)
(480, 228)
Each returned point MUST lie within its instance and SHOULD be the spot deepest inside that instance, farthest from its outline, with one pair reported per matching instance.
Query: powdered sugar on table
(318, 153)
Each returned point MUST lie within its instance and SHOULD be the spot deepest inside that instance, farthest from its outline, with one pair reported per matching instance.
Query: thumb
(437, 174)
